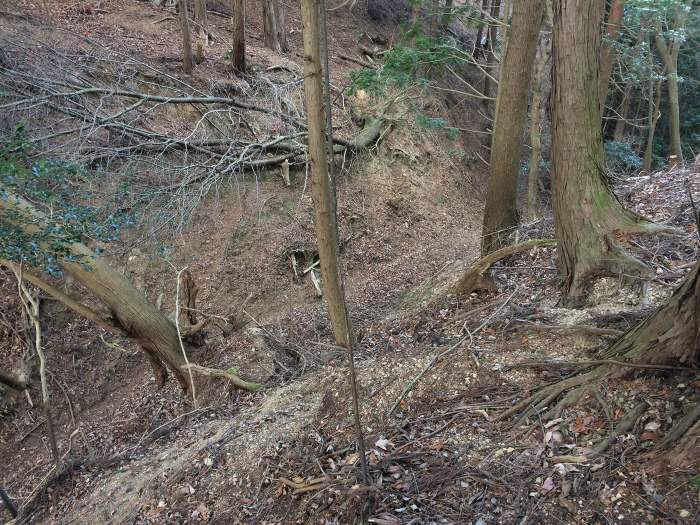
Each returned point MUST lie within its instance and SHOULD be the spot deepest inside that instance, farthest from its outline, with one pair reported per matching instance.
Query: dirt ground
(409, 215)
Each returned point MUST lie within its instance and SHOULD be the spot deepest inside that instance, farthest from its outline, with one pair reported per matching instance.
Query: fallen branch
(476, 278)
(553, 364)
(12, 382)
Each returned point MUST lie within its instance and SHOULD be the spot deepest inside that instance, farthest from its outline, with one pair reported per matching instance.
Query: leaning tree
(52, 243)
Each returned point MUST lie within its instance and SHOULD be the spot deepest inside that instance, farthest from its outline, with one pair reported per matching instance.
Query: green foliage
(695, 481)
(57, 189)
(621, 159)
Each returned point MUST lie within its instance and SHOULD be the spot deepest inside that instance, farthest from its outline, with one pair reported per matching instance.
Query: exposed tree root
(476, 277)
(625, 425)
(223, 374)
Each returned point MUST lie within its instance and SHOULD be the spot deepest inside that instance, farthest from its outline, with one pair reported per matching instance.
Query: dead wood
(476, 277)
(12, 382)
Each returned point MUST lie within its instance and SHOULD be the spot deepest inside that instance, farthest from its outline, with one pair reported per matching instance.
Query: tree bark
(589, 220)
(130, 309)
(186, 37)
(501, 216)
(274, 32)
(238, 50)
(322, 194)
(652, 119)
(200, 19)
(607, 53)
(671, 335)
(537, 111)
(669, 55)
(490, 50)
(620, 124)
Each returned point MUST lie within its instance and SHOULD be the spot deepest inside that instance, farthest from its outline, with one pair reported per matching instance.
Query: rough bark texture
(589, 220)
(536, 117)
(130, 309)
(238, 51)
(200, 19)
(607, 54)
(652, 119)
(274, 32)
(186, 37)
(501, 216)
(669, 336)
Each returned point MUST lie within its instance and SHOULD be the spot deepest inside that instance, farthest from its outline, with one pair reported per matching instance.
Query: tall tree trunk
(620, 123)
(669, 55)
(482, 33)
(588, 218)
(446, 16)
(324, 210)
(674, 118)
(652, 119)
(607, 53)
(131, 311)
(274, 32)
(200, 19)
(537, 111)
(186, 37)
(238, 50)
(501, 214)
(491, 51)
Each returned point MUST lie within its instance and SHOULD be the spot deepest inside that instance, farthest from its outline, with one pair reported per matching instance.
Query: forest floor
(410, 219)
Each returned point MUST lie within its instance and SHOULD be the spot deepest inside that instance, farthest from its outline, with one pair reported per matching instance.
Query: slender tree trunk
(536, 117)
(652, 119)
(130, 309)
(324, 210)
(491, 51)
(607, 53)
(238, 51)
(186, 37)
(482, 32)
(588, 218)
(200, 18)
(674, 118)
(274, 32)
(620, 123)
(446, 16)
(501, 215)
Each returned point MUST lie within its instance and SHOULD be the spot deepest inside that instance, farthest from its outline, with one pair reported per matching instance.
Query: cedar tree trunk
(131, 311)
(501, 215)
(607, 53)
(238, 51)
(589, 220)
(186, 37)
(274, 32)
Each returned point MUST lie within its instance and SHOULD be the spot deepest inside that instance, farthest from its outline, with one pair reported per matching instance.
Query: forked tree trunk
(669, 55)
(238, 50)
(186, 37)
(200, 19)
(501, 214)
(537, 111)
(607, 53)
(130, 309)
(589, 220)
(274, 32)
